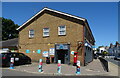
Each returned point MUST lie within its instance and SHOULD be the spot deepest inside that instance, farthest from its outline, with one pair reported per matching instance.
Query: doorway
(62, 52)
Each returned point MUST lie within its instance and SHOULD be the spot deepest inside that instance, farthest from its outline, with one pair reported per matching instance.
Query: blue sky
(102, 16)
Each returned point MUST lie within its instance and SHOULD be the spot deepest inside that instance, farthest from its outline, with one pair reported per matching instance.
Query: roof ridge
(46, 8)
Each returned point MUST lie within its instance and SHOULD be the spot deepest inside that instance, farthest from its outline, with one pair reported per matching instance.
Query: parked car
(19, 58)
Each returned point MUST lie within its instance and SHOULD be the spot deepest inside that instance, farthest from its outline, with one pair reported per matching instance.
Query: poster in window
(52, 51)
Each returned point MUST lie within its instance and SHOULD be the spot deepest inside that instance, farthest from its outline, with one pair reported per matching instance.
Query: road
(17, 74)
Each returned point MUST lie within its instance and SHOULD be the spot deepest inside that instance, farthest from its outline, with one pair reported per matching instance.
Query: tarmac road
(18, 74)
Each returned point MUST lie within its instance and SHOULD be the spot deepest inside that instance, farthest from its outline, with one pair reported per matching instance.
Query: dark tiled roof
(9, 43)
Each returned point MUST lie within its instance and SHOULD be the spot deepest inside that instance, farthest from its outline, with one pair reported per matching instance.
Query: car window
(14, 55)
(21, 55)
(3, 55)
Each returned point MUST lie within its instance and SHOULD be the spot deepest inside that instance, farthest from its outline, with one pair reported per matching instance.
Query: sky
(101, 16)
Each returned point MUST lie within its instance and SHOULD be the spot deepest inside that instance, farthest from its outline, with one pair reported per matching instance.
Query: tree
(9, 29)
(105, 53)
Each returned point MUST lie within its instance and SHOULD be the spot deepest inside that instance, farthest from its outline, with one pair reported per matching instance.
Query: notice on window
(52, 51)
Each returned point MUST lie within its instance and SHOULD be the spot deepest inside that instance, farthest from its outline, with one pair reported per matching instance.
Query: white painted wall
(101, 49)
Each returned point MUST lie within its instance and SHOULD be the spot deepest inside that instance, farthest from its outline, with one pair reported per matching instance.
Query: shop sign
(87, 44)
(45, 54)
(52, 51)
(61, 46)
(72, 52)
(93, 46)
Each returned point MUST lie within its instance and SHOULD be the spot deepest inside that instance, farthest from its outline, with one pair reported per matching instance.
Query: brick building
(52, 33)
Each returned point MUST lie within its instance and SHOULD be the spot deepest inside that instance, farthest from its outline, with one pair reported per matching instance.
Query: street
(93, 69)
(17, 74)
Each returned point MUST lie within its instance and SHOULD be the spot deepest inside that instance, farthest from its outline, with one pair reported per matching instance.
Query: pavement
(94, 68)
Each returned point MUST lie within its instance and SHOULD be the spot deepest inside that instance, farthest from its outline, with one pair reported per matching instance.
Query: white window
(31, 33)
(45, 32)
(62, 30)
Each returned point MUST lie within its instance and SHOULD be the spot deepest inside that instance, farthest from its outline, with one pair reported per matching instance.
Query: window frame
(33, 33)
(46, 32)
(59, 30)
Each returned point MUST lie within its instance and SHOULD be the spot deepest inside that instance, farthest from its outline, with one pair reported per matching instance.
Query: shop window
(46, 32)
(62, 30)
(31, 33)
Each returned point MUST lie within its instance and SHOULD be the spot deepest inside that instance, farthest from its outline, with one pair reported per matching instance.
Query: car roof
(12, 53)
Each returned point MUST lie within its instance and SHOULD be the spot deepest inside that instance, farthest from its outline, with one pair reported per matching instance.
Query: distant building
(114, 50)
(101, 49)
(9, 45)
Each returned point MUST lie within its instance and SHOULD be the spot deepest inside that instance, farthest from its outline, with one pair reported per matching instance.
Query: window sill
(61, 35)
(45, 36)
(31, 37)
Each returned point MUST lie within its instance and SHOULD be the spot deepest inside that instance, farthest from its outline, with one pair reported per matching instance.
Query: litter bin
(47, 60)
(52, 59)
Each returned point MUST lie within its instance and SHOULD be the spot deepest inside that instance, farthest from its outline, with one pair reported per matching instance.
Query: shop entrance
(62, 52)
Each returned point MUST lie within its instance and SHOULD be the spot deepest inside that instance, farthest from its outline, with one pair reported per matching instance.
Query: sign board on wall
(27, 51)
(45, 54)
(38, 51)
(62, 46)
(87, 44)
(72, 52)
(52, 51)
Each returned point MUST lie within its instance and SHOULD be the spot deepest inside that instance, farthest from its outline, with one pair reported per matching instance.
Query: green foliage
(105, 53)
(9, 29)
(100, 46)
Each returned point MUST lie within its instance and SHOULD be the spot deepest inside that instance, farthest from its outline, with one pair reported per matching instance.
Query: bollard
(11, 63)
(78, 67)
(40, 65)
(59, 67)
